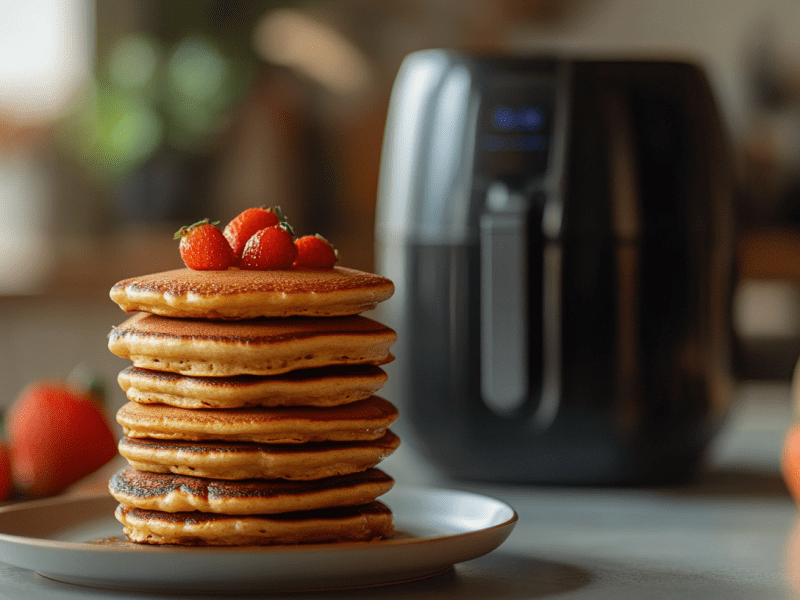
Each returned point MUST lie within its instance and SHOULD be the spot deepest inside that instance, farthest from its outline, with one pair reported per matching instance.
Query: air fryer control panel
(514, 128)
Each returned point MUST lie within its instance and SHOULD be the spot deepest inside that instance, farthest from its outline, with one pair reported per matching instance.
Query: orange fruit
(790, 460)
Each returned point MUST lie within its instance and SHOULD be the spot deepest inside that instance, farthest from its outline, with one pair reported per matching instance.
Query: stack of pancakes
(252, 417)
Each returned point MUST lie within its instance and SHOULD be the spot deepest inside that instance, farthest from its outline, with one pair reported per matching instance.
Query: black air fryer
(560, 234)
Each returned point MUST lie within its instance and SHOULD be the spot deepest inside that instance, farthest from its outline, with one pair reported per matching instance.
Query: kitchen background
(122, 120)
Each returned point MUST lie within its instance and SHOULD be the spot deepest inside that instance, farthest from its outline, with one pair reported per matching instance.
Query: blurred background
(122, 120)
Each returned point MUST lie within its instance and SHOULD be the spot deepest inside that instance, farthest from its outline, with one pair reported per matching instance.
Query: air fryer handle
(504, 302)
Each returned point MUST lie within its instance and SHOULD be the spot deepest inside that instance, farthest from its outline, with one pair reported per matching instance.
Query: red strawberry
(270, 248)
(204, 248)
(243, 226)
(315, 252)
(6, 479)
(56, 435)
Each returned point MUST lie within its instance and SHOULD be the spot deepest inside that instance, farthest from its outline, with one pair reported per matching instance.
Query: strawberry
(57, 435)
(244, 225)
(6, 479)
(315, 252)
(204, 248)
(270, 248)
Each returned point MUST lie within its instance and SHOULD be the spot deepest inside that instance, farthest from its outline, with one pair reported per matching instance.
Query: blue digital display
(527, 118)
(515, 130)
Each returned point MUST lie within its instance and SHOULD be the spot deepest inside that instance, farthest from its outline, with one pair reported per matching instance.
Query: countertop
(734, 533)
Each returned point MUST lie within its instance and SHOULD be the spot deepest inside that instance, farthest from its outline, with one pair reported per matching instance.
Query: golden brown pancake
(366, 522)
(182, 493)
(242, 294)
(363, 420)
(230, 460)
(256, 347)
(325, 386)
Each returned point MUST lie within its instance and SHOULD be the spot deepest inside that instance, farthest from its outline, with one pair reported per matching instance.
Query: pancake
(243, 294)
(363, 420)
(366, 522)
(325, 386)
(230, 460)
(181, 493)
(255, 347)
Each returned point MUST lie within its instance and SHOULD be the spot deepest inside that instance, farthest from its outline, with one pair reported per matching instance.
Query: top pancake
(242, 294)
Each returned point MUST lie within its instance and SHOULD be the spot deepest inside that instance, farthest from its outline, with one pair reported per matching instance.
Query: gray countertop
(735, 533)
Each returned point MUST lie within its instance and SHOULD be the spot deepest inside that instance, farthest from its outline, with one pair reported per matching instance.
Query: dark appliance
(560, 232)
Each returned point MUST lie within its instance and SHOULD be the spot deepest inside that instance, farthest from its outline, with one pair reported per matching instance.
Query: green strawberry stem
(98, 390)
(284, 223)
(279, 213)
(89, 383)
(187, 228)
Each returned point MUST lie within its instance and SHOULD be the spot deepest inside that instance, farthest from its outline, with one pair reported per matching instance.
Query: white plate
(435, 530)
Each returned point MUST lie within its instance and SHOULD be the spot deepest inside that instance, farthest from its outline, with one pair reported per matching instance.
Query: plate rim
(280, 549)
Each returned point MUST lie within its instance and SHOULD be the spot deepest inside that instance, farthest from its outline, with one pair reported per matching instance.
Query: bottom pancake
(180, 493)
(368, 522)
(231, 460)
